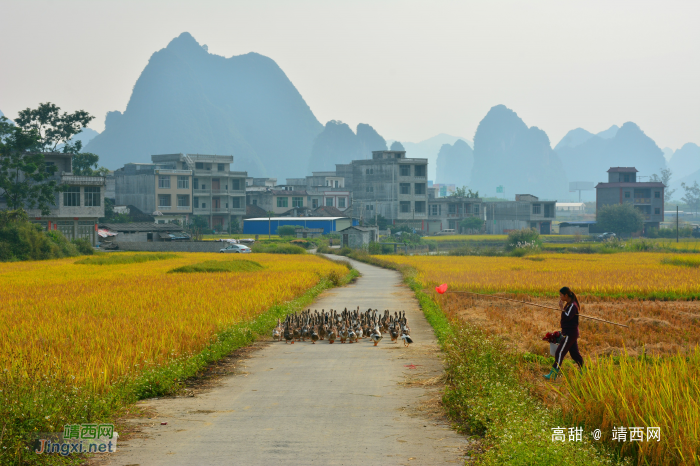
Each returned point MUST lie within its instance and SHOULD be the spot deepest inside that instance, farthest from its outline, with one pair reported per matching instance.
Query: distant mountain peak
(611, 132)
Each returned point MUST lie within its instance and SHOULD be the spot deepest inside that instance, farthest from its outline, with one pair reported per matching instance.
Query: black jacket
(569, 320)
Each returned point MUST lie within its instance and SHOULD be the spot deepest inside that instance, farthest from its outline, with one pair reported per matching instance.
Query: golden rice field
(103, 322)
(634, 275)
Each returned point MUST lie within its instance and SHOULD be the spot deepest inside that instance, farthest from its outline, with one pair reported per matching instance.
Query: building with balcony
(157, 189)
(623, 187)
(75, 210)
(527, 211)
(324, 189)
(389, 184)
(218, 193)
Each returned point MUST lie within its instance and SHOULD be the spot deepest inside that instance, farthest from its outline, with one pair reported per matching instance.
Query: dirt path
(302, 404)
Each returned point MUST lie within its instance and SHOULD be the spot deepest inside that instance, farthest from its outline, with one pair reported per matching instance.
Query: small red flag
(442, 288)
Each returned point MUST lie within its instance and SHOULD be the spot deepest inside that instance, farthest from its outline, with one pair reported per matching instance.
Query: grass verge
(219, 266)
(33, 399)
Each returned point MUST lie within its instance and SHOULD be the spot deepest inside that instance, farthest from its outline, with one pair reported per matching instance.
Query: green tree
(692, 196)
(197, 226)
(25, 178)
(472, 223)
(620, 218)
(465, 192)
(235, 226)
(84, 163)
(665, 178)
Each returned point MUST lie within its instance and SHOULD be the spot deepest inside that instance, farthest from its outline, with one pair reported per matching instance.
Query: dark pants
(569, 345)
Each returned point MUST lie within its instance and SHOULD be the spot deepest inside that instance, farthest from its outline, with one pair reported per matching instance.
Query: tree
(235, 226)
(665, 178)
(464, 192)
(197, 226)
(287, 230)
(692, 196)
(84, 163)
(25, 179)
(472, 223)
(620, 218)
(52, 128)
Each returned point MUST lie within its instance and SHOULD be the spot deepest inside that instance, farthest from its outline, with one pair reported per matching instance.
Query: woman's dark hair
(567, 292)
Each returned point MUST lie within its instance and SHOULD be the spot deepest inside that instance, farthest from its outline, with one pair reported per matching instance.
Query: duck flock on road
(346, 326)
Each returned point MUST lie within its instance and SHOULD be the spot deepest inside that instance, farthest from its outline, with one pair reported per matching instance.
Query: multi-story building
(324, 189)
(157, 189)
(218, 193)
(279, 199)
(622, 187)
(389, 184)
(448, 212)
(76, 210)
(527, 211)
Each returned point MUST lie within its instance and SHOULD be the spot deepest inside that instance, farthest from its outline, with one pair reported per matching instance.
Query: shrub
(344, 251)
(374, 248)
(525, 238)
(119, 258)
(84, 246)
(287, 230)
(620, 218)
(22, 240)
(219, 266)
(66, 249)
(275, 248)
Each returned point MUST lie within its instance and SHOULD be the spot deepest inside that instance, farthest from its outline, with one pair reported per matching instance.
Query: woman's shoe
(552, 374)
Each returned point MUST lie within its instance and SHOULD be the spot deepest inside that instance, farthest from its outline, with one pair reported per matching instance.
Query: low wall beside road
(172, 246)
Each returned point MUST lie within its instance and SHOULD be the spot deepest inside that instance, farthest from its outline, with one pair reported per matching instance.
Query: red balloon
(442, 288)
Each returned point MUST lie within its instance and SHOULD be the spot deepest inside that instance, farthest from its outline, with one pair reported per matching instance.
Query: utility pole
(677, 224)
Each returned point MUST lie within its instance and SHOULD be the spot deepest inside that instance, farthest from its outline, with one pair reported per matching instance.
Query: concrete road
(304, 404)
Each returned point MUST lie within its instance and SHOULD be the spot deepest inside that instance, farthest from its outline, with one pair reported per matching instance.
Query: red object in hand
(552, 337)
(442, 288)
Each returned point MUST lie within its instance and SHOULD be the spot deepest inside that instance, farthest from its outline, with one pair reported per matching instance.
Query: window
(236, 202)
(199, 166)
(627, 194)
(368, 171)
(71, 196)
(92, 196)
(236, 185)
(657, 211)
(369, 189)
(405, 170)
(297, 202)
(341, 202)
(405, 207)
(405, 188)
(329, 202)
(626, 178)
(657, 194)
(336, 183)
(369, 207)
(164, 200)
(476, 209)
(433, 209)
(282, 201)
(420, 188)
(452, 209)
(420, 170)
(195, 183)
(220, 167)
(183, 182)
(420, 207)
(536, 209)
(195, 202)
(204, 205)
(314, 203)
(183, 200)
(163, 182)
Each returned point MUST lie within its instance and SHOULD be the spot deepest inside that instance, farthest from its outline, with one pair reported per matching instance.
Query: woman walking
(569, 305)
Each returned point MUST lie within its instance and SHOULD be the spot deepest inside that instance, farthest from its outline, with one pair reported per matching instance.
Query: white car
(236, 248)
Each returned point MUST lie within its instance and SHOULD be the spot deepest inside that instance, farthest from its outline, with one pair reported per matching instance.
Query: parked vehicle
(606, 235)
(236, 248)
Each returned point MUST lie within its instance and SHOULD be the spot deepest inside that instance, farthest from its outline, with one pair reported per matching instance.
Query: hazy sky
(411, 69)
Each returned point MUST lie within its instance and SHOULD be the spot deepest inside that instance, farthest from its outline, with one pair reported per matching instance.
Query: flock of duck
(346, 326)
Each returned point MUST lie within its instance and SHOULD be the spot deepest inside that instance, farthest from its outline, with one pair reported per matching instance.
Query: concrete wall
(170, 246)
(138, 190)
